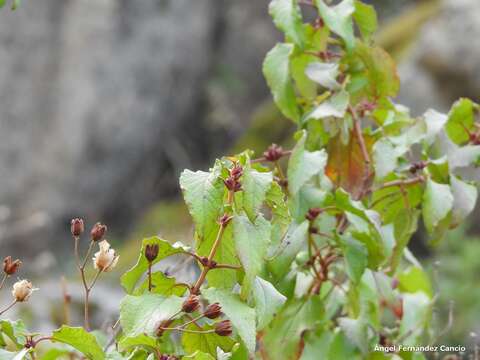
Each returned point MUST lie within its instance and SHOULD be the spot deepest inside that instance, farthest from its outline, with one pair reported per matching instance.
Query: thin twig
(226, 266)
(8, 307)
(149, 275)
(66, 301)
(205, 269)
(403, 182)
(5, 276)
(363, 148)
(189, 331)
(213, 250)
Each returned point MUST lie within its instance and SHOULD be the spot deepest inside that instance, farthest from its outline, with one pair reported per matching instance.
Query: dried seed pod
(191, 304)
(213, 311)
(22, 290)
(10, 266)
(273, 153)
(77, 227)
(106, 258)
(98, 231)
(223, 328)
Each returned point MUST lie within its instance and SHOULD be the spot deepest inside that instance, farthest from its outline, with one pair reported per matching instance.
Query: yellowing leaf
(346, 166)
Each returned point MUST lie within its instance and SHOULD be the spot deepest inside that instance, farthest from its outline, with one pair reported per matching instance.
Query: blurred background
(104, 102)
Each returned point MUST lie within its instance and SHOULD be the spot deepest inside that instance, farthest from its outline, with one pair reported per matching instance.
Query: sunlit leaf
(288, 18)
(81, 340)
(339, 19)
(276, 69)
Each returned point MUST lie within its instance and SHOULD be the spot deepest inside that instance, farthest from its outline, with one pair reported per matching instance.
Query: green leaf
(206, 343)
(2, 3)
(255, 185)
(294, 240)
(275, 200)
(303, 165)
(7, 355)
(405, 226)
(413, 280)
(339, 19)
(251, 243)
(203, 192)
(460, 121)
(139, 340)
(324, 74)
(282, 337)
(437, 204)
(225, 254)
(287, 17)
(416, 315)
(305, 85)
(276, 69)
(55, 354)
(198, 355)
(381, 71)
(143, 314)
(240, 314)
(366, 18)
(385, 157)
(464, 199)
(161, 284)
(268, 301)
(355, 258)
(81, 340)
(356, 331)
(335, 106)
(435, 123)
(15, 331)
(130, 279)
(464, 156)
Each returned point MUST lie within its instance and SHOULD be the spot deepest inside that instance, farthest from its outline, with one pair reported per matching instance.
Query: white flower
(22, 290)
(105, 259)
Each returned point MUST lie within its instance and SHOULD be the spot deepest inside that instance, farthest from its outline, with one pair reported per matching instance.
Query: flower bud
(10, 267)
(22, 290)
(151, 252)
(98, 231)
(77, 227)
(223, 328)
(273, 153)
(191, 304)
(213, 311)
(106, 258)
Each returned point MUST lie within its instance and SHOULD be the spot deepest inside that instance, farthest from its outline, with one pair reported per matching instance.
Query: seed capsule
(106, 258)
(10, 267)
(98, 231)
(151, 252)
(223, 328)
(273, 153)
(213, 311)
(77, 227)
(191, 304)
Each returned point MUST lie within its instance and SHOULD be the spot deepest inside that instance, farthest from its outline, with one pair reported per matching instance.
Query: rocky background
(104, 102)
